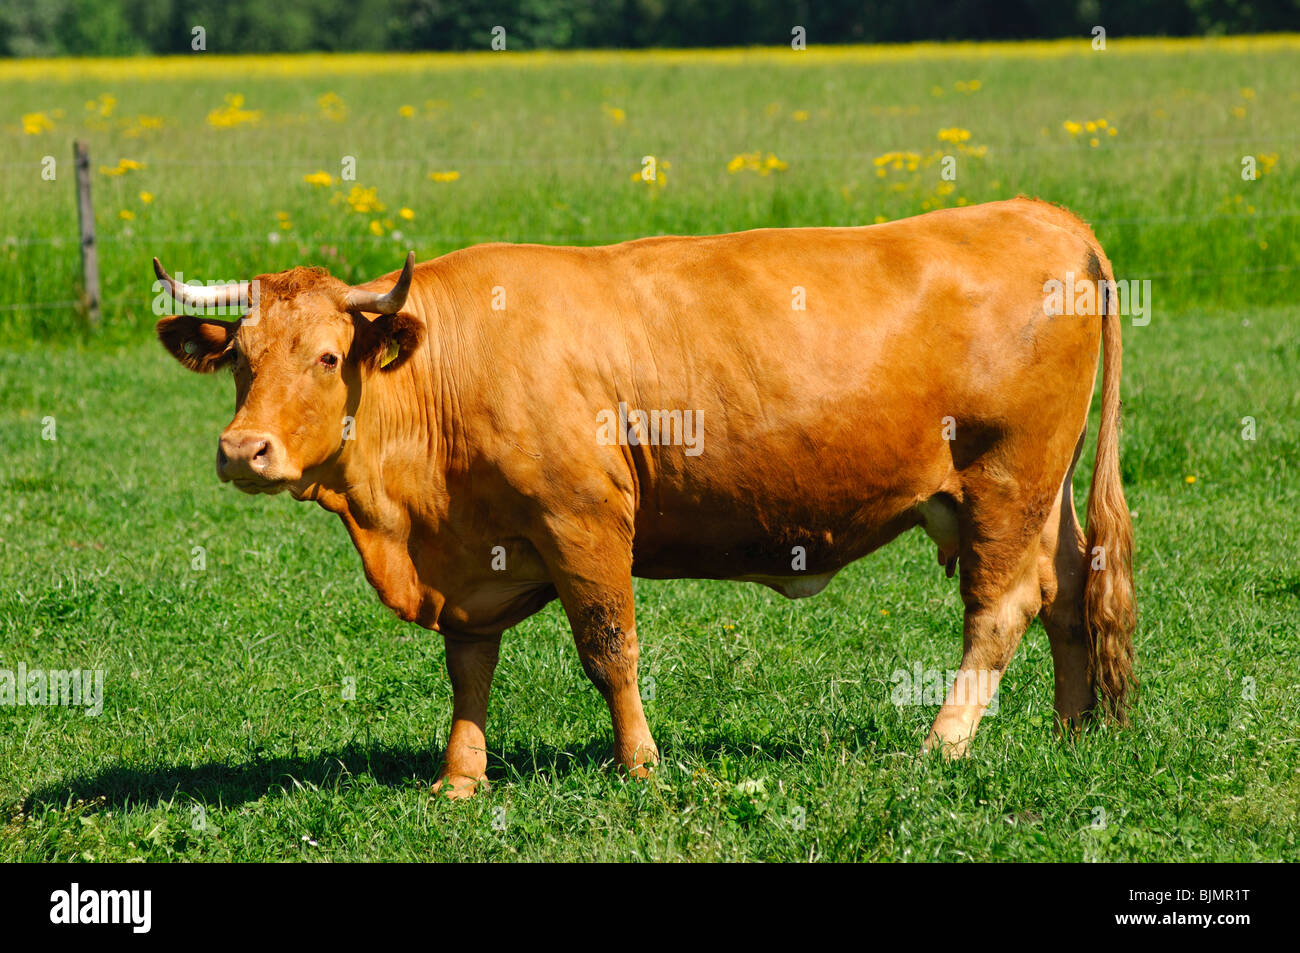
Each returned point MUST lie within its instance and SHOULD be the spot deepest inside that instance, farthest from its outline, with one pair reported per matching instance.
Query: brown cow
(521, 422)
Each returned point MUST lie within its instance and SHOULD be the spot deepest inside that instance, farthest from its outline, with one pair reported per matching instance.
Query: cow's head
(300, 355)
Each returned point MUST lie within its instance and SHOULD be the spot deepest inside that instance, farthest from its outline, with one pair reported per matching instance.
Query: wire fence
(612, 158)
(1189, 275)
(548, 237)
(464, 239)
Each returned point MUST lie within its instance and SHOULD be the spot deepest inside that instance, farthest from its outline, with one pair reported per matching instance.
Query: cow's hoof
(1071, 726)
(950, 749)
(642, 763)
(456, 787)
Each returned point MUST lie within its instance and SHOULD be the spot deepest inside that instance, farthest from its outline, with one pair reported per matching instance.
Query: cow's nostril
(222, 459)
(262, 457)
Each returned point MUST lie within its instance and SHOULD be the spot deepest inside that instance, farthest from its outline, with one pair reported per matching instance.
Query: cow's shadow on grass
(224, 784)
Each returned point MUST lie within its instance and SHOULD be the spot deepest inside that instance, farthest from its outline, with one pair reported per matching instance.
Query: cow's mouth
(247, 485)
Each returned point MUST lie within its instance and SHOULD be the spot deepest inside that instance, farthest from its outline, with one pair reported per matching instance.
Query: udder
(939, 520)
(794, 587)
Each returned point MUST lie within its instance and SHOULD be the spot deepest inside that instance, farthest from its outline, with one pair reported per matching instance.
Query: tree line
(127, 27)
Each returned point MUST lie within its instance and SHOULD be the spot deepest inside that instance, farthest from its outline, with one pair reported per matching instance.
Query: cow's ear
(387, 341)
(201, 344)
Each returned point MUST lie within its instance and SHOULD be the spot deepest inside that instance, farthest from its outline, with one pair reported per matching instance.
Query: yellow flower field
(541, 147)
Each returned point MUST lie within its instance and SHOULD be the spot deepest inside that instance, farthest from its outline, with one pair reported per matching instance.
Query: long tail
(1108, 594)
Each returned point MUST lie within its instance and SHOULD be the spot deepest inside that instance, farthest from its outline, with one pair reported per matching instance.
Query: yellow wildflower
(319, 178)
(146, 197)
(406, 112)
(122, 168)
(104, 104)
(406, 213)
(332, 107)
(141, 124)
(233, 113)
(36, 123)
(773, 164)
(364, 200)
(755, 162)
(896, 160)
(450, 176)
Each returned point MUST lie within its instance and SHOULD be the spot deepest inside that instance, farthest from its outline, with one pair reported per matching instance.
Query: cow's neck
(392, 470)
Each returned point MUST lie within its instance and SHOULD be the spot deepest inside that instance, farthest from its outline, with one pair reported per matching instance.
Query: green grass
(224, 687)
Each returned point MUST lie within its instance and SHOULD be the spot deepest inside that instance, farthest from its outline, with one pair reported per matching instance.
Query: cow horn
(200, 297)
(359, 299)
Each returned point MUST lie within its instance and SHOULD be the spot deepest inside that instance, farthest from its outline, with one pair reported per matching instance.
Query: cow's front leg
(471, 660)
(604, 628)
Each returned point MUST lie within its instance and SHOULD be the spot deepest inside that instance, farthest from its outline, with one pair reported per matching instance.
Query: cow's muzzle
(255, 462)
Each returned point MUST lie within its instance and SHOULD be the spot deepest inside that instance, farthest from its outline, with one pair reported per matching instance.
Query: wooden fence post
(86, 218)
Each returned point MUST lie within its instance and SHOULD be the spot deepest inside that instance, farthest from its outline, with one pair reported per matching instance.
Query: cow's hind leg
(999, 587)
(1063, 572)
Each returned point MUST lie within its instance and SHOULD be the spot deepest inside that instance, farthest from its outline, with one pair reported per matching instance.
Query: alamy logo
(651, 428)
(930, 686)
(75, 688)
(1083, 296)
(73, 906)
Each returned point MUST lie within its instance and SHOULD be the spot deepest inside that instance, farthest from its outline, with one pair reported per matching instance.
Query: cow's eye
(329, 361)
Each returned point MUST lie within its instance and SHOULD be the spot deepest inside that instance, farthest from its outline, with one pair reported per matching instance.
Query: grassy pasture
(224, 695)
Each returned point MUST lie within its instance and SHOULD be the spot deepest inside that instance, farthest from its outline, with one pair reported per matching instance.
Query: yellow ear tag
(390, 353)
